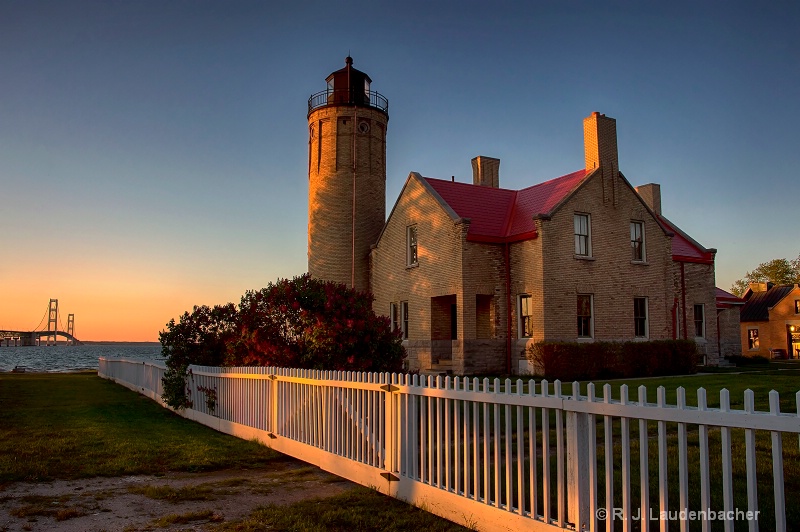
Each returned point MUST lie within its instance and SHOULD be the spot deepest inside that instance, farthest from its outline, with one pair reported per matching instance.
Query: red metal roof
(684, 249)
(542, 199)
(486, 207)
(502, 215)
(726, 299)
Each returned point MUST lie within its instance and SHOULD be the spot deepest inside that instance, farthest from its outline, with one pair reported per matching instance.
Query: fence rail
(503, 455)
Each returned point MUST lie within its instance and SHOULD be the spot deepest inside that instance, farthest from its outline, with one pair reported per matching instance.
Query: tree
(776, 271)
(314, 324)
(299, 323)
(200, 338)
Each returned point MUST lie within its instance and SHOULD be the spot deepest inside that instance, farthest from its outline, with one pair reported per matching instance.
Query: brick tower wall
(345, 141)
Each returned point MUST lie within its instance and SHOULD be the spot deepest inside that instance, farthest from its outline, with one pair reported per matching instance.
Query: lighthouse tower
(346, 176)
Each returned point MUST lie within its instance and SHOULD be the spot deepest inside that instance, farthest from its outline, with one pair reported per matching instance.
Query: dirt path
(177, 501)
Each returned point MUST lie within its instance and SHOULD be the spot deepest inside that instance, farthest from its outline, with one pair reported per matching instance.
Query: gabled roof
(727, 300)
(502, 215)
(685, 248)
(757, 307)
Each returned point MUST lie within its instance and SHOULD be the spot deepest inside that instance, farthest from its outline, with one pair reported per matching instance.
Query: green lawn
(785, 381)
(67, 426)
(358, 509)
(78, 425)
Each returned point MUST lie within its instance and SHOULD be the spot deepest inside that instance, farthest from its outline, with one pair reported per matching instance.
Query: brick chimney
(759, 287)
(651, 195)
(486, 171)
(600, 142)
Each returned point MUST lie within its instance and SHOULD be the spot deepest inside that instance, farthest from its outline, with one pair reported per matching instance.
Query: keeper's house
(473, 273)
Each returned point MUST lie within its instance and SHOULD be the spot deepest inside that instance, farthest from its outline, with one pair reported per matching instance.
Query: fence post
(578, 464)
(273, 383)
(389, 423)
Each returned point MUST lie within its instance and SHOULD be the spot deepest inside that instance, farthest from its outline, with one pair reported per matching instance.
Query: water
(61, 358)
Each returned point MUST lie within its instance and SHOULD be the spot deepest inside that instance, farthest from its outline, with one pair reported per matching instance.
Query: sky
(153, 155)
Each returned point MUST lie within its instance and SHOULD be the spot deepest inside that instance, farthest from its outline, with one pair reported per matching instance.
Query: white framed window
(699, 321)
(583, 235)
(641, 325)
(752, 339)
(525, 314)
(393, 316)
(404, 319)
(637, 242)
(585, 316)
(412, 258)
(797, 306)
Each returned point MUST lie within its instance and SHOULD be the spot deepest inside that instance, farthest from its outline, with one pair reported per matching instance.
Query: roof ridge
(573, 189)
(553, 179)
(451, 182)
(510, 215)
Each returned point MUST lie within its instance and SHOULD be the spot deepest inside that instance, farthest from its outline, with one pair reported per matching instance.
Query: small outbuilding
(770, 321)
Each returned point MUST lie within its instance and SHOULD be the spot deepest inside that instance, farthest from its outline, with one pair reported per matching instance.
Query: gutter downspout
(675, 319)
(683, 296)
(506, 257)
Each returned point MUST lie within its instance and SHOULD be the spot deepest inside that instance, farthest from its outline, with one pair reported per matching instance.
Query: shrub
(299, 323)
(313, 324)
(199, 338)
(570, 361)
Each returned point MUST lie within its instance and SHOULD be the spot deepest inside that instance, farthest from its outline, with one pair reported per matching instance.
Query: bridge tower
(52, 322)
(71, 328)
(346, 176)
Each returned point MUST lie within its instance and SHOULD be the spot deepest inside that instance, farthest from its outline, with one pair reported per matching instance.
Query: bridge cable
(43, 317)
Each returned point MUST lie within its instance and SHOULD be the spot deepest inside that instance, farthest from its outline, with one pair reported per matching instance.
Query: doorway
(793, 337)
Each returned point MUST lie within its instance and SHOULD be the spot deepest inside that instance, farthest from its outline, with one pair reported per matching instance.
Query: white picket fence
(499, 455)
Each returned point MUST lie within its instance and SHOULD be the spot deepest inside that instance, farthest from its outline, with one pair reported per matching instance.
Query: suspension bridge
(41, 336)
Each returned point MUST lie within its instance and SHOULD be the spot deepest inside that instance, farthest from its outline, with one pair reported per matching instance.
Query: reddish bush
(300, 323)
(569, 361)
(314, 324)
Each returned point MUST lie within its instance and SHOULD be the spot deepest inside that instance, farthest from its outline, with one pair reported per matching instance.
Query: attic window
(637, 241)
(411, 246)
(583, 239)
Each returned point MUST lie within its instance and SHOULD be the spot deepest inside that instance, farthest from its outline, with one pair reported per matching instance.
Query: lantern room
(348, 86)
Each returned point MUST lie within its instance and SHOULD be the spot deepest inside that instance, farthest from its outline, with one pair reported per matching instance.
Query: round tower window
(363, 127)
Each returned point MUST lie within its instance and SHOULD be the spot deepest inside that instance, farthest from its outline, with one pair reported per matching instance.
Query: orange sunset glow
(113, 302)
